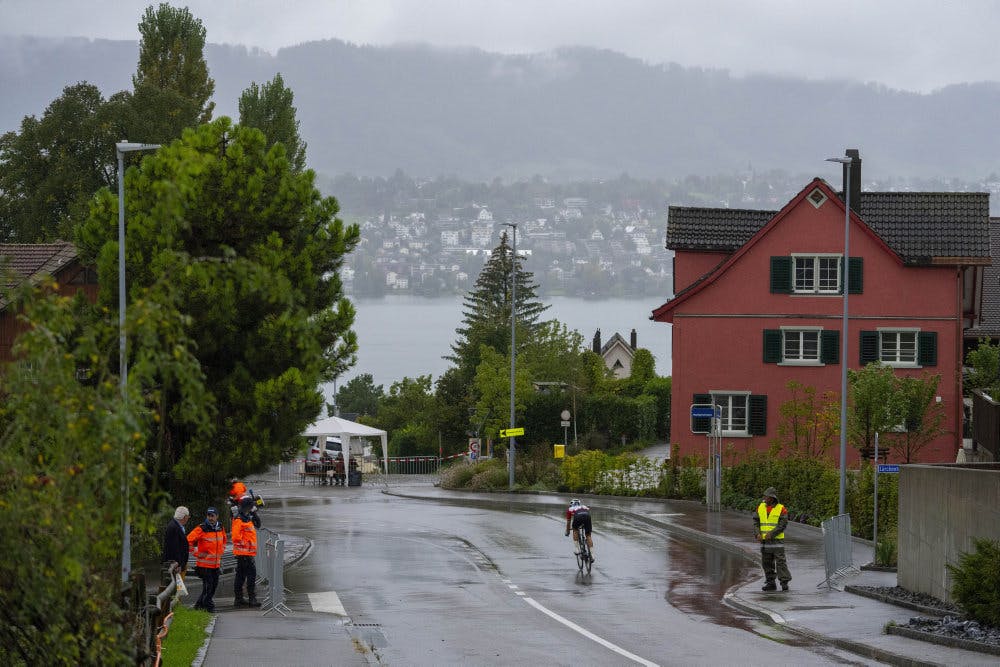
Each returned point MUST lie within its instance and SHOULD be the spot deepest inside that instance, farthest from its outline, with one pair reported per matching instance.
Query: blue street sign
(888, 467)
(703, 411)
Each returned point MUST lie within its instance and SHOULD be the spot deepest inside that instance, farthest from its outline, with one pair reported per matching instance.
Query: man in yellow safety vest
(770, 522)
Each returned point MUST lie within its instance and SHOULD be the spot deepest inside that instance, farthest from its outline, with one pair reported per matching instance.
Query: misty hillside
(573, 113)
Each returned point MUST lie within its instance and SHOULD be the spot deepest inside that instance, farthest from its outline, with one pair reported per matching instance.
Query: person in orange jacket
(237, 491)
(207, 542)
(245, 550)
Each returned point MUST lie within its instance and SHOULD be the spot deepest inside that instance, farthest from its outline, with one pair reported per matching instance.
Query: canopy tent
(345, 429)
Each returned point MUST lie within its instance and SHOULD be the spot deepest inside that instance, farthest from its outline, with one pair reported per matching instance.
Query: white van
(317, 458)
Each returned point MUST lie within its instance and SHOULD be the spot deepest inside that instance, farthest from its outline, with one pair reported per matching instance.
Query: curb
(856, 648)
(923, 609)
(950, 642)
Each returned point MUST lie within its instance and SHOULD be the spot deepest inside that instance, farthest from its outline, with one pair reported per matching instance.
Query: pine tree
(486, 310)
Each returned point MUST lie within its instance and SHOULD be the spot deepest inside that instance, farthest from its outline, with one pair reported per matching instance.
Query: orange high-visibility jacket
(244, 537)
(207, 545)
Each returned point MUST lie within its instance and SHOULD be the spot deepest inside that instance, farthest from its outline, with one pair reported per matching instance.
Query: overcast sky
(917, 45)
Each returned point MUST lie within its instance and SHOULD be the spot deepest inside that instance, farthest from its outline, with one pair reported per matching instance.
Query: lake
(406, 336)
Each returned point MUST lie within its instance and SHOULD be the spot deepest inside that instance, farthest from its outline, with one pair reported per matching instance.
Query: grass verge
(186, 636)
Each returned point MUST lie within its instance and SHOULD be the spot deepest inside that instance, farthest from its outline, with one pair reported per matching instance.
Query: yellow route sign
(511, 432)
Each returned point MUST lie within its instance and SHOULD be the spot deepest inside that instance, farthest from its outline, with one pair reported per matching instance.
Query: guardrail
(270, 562)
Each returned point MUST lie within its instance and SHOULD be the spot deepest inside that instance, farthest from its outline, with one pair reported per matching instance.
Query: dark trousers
(246, 572)
(772, 559)
(209, 582)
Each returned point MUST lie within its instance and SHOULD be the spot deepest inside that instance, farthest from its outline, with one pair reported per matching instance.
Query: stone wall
(942, 508)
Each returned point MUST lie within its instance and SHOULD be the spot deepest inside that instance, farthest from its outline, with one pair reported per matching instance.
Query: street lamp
(846, 161)
(513, 352)
(121, 148)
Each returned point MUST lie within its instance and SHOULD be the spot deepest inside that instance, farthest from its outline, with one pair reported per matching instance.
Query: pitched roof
(920, 227)
(617, 341)
(31, 259)
(989, 310)
(28, 261)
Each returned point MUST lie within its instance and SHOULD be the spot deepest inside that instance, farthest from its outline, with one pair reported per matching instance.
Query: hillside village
(586, 239)
(575, 248)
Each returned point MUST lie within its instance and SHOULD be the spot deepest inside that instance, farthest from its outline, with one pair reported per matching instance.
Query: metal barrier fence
(271, 570)
(413, 465)
(837, 551)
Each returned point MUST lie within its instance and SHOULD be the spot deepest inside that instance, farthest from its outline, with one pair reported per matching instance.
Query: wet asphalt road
(436, 584)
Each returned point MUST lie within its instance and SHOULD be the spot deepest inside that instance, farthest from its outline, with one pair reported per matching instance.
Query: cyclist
(577, 517)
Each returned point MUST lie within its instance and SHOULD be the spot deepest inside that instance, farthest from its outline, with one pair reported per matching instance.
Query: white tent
(344, 429)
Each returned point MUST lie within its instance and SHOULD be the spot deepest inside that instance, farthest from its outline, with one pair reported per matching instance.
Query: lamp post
(121, 148)
(513, 351)
(846, 161)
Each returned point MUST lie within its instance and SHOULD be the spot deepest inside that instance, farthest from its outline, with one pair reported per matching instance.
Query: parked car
(319, 460)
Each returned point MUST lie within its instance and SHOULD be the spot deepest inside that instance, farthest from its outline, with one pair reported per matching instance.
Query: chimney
(855, 184)
(597, 342)
(632, 341)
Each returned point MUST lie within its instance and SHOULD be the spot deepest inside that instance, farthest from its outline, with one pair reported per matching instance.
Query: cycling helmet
(574, 502)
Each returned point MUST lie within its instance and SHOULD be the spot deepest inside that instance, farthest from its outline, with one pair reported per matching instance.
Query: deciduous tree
(172, 57)
(269, 108)
(360, 395)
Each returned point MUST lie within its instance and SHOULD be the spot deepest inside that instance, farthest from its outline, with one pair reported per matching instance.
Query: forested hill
(568, 114)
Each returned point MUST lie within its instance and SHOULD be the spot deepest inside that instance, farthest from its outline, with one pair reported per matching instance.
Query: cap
(211, 510)
(771, 493)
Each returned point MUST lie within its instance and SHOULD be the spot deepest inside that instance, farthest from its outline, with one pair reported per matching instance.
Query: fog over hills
(568, 114)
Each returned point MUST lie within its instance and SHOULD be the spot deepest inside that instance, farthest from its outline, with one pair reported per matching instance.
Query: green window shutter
(927, 348)
(868, 349)
(701, 424)
(781, 275)
(855, 275)
(757, 423)
(772, 346)
(829, 346)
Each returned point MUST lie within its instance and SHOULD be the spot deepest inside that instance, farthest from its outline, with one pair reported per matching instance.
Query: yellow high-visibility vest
(769, 520)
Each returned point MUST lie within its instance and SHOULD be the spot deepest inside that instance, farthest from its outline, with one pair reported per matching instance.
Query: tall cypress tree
(486, 310)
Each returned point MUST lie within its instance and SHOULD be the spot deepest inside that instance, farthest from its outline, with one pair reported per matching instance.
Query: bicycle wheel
(581, 561)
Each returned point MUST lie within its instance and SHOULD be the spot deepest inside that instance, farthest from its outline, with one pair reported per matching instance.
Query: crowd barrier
(837, 550)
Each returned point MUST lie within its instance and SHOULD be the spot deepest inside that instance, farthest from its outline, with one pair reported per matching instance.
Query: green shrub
(457, 475)
(691, 478)
(976, 585)
(489, 478)
(885, 550)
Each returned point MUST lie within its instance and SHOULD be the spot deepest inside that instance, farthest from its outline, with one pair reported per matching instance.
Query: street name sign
(888, 467)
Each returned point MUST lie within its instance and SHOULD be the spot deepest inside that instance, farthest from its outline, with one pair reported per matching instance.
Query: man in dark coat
(175, 544)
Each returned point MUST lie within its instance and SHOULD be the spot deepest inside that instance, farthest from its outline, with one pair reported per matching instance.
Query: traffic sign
(888, 467)
(511, 432)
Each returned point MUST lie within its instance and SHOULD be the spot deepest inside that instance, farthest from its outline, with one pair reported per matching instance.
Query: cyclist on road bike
(577, 517)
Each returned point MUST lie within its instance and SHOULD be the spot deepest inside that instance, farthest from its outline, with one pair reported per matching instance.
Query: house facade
(21, 263)
(759, 303)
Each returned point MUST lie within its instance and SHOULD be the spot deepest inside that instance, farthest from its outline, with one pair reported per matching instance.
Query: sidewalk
(848, 621)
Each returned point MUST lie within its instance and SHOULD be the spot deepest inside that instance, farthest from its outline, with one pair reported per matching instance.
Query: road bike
(583, 559)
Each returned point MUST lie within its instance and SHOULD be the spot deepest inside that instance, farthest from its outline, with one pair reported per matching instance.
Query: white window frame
(727, 429)
(817, 270)
(800, 361)
(897, 362)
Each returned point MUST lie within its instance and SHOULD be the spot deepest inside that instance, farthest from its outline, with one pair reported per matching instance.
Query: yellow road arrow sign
(511, 432)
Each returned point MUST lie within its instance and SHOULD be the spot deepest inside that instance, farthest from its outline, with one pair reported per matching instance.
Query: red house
(21, 263)
(758, 302)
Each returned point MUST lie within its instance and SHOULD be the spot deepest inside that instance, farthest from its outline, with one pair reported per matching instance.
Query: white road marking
(675, 514)
(327, 602)
(588, 634)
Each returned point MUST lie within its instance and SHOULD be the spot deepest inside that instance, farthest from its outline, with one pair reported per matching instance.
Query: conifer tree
(486, 310)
